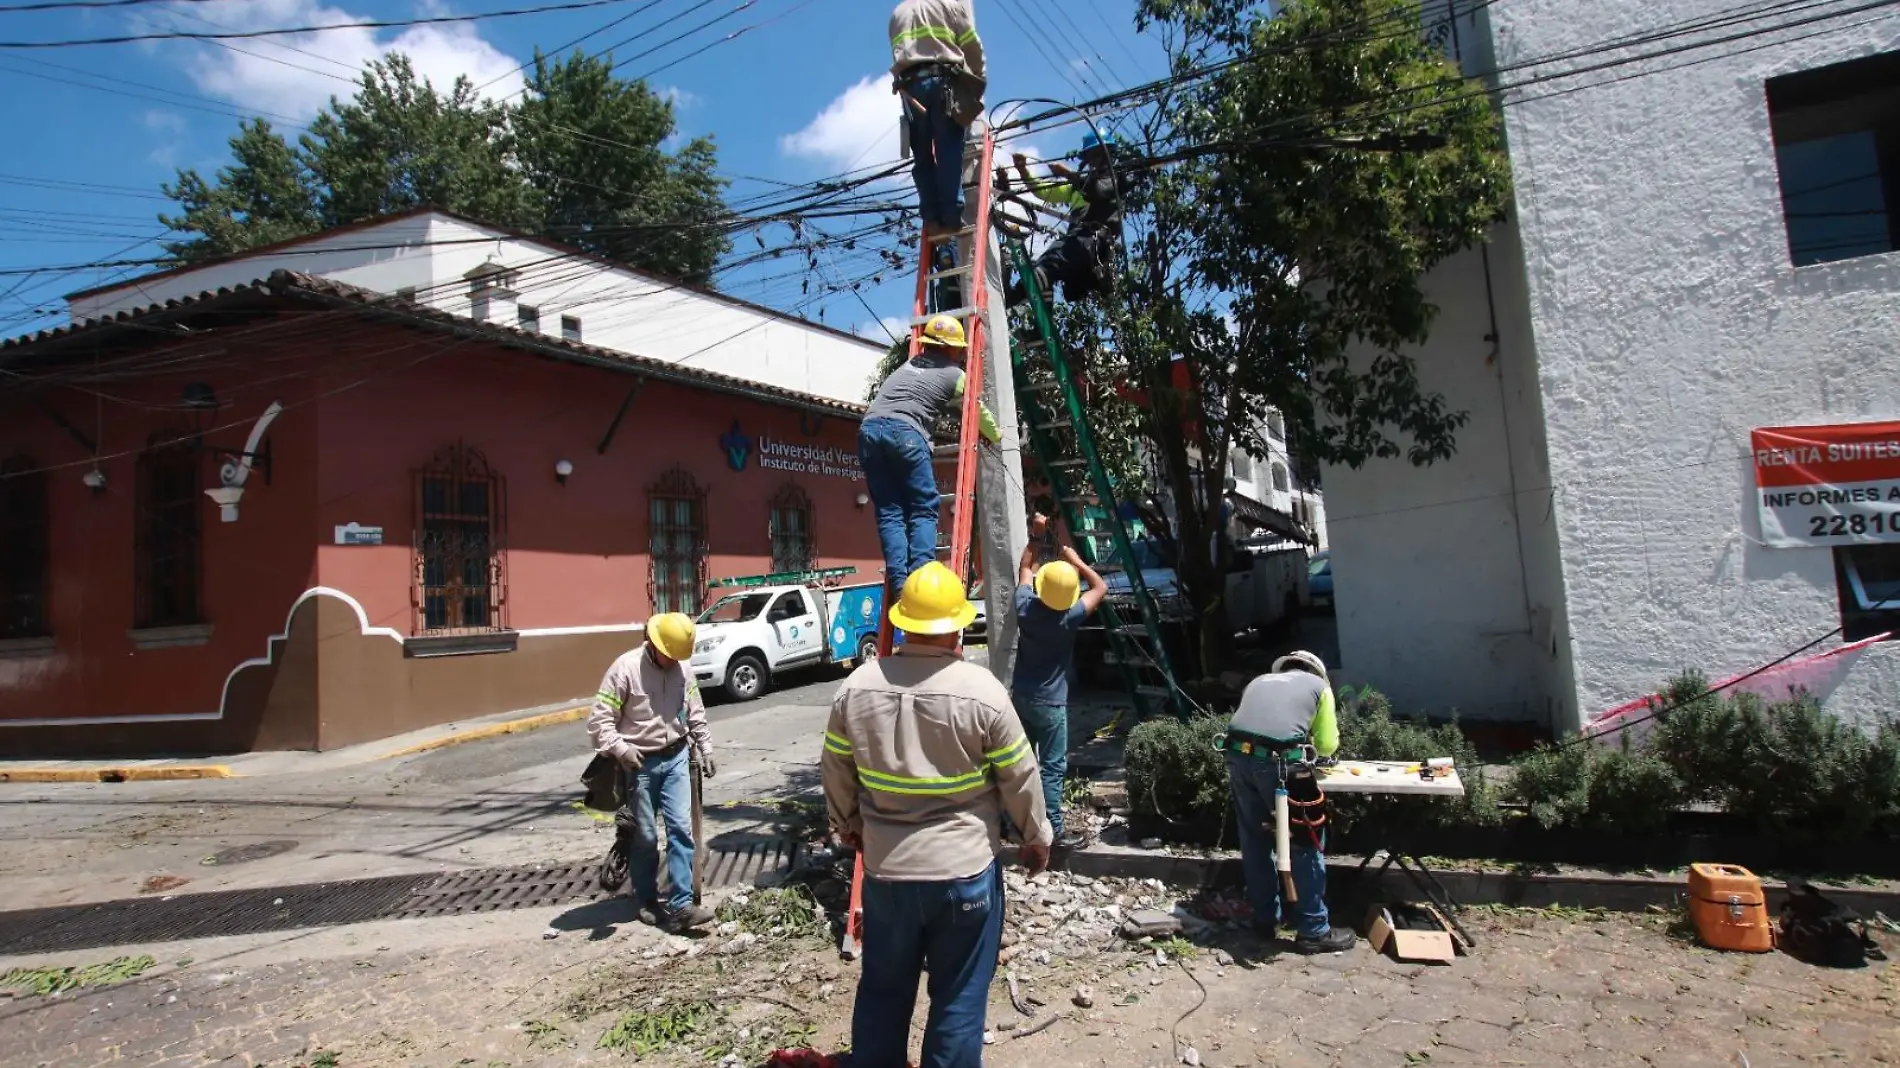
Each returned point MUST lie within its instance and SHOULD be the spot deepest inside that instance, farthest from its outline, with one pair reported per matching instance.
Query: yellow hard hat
(672, 634)
(933, 602)
(944, 332)
(1058, 585)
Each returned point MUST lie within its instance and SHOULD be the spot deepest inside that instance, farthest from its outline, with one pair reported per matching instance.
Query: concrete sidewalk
(244, 765)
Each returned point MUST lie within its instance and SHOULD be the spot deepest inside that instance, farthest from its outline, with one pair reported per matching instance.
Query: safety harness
(1294, 762)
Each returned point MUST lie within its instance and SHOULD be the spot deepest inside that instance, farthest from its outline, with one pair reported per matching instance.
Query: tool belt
(666, 752)
(1306, 802)
(1247, 743)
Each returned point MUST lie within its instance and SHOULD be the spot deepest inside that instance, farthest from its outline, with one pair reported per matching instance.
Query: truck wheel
(867, 649)
(746, 678)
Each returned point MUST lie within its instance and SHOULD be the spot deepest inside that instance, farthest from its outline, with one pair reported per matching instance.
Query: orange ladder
(961, 498)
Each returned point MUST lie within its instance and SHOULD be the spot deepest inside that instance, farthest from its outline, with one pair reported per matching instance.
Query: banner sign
(1820, 486)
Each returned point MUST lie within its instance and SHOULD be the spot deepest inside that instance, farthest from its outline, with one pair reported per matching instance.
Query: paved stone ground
(1542, 989)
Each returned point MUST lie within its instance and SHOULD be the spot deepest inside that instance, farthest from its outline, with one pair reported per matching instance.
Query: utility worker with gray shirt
(894, 448)
(647, 716)
(923, 755)
(1286, 718)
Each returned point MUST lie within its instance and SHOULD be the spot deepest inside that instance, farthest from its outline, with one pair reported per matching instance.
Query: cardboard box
(1403, 941)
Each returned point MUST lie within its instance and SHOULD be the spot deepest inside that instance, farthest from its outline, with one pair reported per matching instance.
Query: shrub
(1631, 792)
(1801, 772)
(1553, 782)
(1173, 770)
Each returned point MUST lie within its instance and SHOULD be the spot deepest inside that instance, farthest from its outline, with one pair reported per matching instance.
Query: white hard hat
(1301, 659)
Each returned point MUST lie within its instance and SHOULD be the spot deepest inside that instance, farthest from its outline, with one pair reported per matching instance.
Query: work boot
(1334, 940)
(686, 918)
(1071, 840)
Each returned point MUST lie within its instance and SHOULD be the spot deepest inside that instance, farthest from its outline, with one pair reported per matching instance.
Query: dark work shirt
(1045, 650)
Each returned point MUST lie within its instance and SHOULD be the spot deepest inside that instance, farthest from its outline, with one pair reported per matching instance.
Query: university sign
(1820, 486)
(827, 461)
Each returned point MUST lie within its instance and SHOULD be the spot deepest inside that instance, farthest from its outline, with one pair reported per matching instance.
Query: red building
(446, 518)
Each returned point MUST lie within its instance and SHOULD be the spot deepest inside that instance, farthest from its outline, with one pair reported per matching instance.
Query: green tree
(580, 160)
(263, 196)
(399, 143)
(1310, 183)
(590, 145)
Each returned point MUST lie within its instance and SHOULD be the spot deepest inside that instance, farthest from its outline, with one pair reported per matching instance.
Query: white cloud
(681, 99)
(168, 128)
(882, 330)
(859, 127)
(297, 75)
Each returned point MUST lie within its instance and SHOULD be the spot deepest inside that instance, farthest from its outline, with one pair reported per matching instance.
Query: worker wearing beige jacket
(923, 754)
(647, 716)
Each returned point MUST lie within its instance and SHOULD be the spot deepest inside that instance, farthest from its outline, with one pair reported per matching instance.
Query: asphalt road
(506, 800)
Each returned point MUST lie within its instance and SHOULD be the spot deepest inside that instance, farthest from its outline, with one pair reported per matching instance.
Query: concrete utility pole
(1002, 518)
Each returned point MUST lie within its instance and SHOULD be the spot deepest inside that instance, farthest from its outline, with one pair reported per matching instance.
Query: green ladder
(1133, 646)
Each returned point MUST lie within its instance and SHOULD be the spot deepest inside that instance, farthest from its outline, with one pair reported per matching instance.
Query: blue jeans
(903, 488)
(936, 150)
(1253, 782)
(665, 786)
(1048, 729)
(952, 930)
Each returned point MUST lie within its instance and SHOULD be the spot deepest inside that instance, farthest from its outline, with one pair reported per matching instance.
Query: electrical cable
(281, 31)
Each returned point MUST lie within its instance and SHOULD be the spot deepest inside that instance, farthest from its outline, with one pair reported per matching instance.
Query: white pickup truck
(766, 624)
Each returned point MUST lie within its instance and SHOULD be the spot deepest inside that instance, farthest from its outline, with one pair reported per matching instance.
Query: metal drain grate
(285, 908)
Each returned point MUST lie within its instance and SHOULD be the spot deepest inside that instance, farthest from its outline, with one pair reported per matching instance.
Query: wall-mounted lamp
(236, 467)
(562, 469)
(863, 499)
(95, 481)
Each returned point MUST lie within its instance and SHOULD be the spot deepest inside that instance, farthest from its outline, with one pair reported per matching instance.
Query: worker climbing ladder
(960, 497)
(1064, 447)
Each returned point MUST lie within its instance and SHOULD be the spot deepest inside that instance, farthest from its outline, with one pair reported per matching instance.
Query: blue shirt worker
(894, 448)
(923, 755)
(647, 716)
(1051, 605)
(1281, 713)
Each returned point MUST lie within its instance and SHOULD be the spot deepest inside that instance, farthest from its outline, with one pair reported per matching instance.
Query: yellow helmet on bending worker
(945, 332)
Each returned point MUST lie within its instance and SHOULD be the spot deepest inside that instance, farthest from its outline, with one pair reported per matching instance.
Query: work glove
(707, 767)
(631, 759)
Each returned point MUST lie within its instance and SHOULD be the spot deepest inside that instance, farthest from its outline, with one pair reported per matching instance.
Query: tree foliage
(580, 158)
(1278, 231)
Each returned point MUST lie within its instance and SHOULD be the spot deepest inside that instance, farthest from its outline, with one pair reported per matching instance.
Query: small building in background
(266, 509)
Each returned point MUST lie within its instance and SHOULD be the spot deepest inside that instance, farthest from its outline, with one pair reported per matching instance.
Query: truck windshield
(736, 608)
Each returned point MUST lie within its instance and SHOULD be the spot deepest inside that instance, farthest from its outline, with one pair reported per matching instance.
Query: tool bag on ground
(1820, 931)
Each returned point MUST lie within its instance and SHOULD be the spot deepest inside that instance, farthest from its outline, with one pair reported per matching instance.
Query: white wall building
(1702, 244)
(469, 268)
(1270, 479)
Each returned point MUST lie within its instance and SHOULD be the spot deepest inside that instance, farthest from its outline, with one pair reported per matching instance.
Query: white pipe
(1283, 846)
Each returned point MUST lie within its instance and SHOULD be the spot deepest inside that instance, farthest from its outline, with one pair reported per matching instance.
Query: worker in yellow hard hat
(894, 447)
(648, 716)
(923, 757)
(1051, 604)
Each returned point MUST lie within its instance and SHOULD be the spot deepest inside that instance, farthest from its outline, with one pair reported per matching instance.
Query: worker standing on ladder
(1284, 715)
(894, 448)
(1081, 260)
(1051, 606)
(923, 755)
(937, 71)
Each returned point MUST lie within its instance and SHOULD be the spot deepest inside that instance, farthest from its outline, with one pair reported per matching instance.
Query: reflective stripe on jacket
(935, 31)
(922, 755)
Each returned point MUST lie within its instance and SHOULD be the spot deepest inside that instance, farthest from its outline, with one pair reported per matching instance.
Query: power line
(367, 24)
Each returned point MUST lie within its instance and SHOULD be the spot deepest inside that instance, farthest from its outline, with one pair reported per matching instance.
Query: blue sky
(94, 130)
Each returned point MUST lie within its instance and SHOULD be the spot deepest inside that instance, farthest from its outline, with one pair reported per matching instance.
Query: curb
(1534, 890)
(492, 730)
(133, 773)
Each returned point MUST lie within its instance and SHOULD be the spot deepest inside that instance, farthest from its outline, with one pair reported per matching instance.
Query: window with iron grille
(676, 516)
(24, 550)
(460, 583)
(169, 551)
(791, 524)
